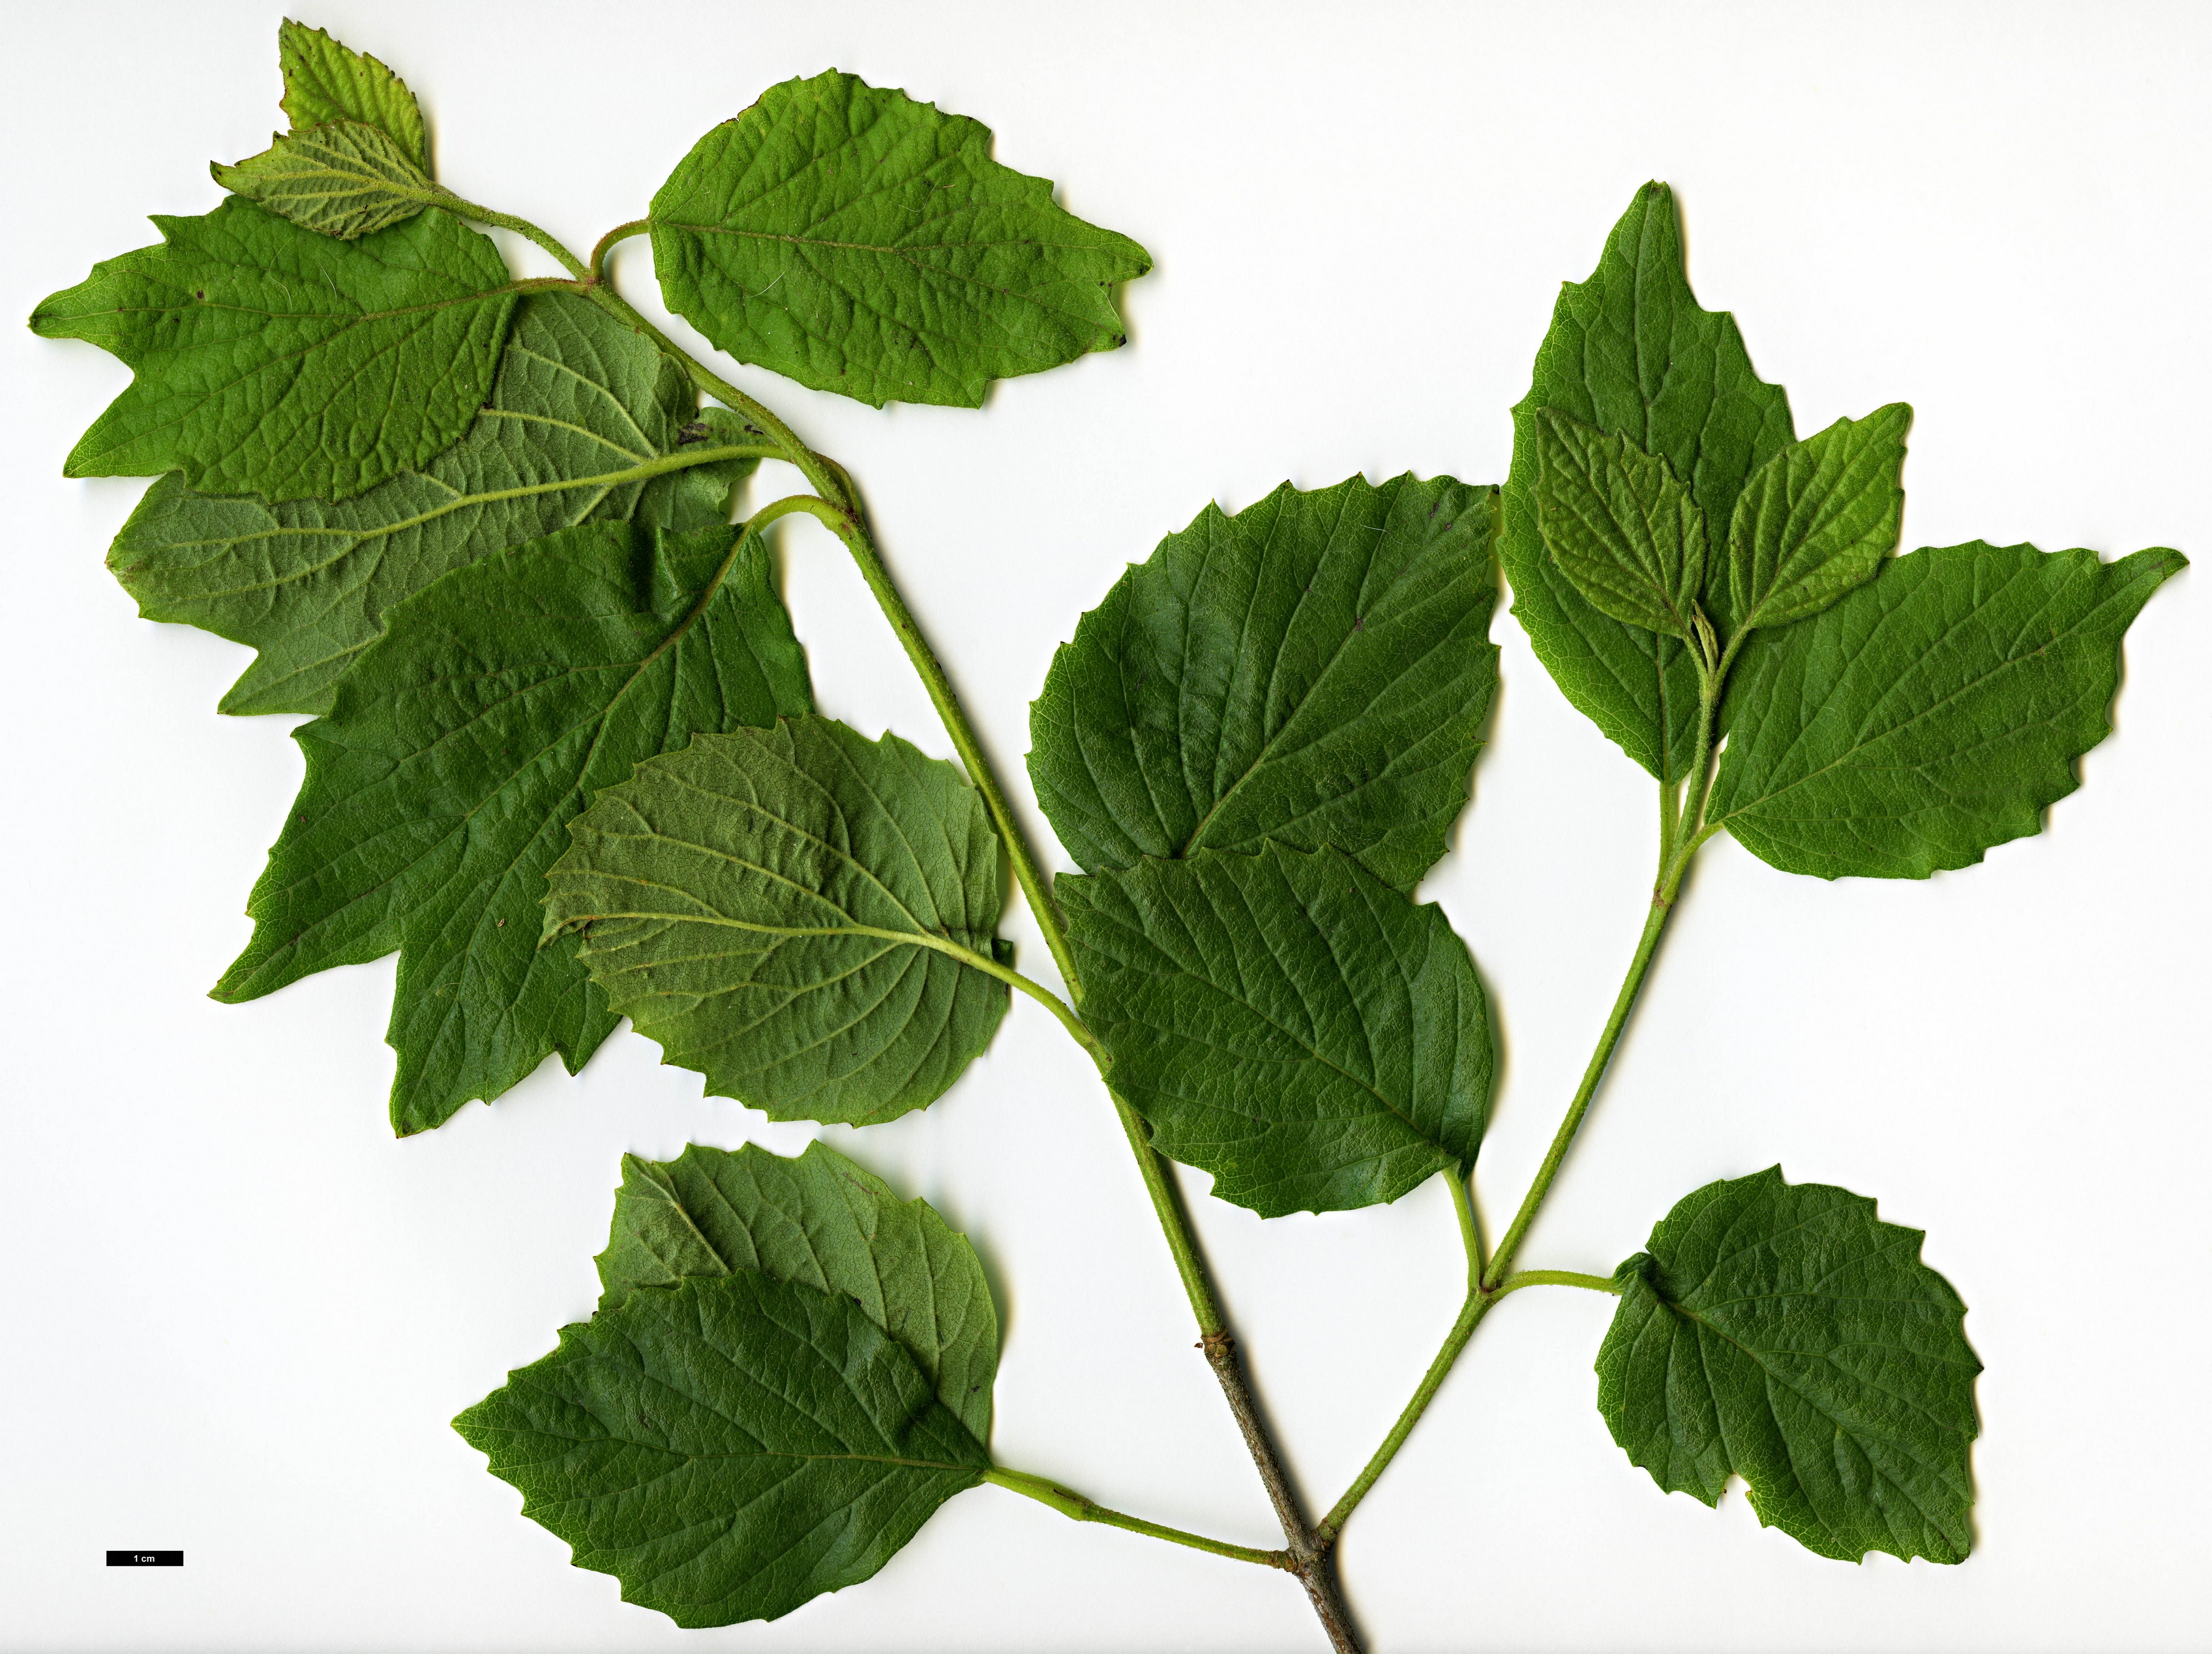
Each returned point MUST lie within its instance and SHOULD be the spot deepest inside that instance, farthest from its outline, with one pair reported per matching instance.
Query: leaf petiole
(1076, 1508)
(597, 261)
(442, 197)
(1515, 1282)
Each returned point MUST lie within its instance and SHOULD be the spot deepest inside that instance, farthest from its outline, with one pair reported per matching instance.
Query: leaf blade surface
(1816, 520)
(325, 81)
(343, 179)
(1315, 669)
(1287, 1022)
(267, 359)
(728, 1449)
(1784, 1333)
(792, 912)
(1621, 528)
(439, 786)
(823, 1222)
(857, 240)
(1931, 713)
(581, 404)
(1630, 352)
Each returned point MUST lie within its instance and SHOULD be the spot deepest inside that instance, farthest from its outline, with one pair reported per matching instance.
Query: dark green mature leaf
(1631, 353)
(1816, 521)
(1315, 669)
(1931, 713)
(823, 1222)
(1784, 1333)
(324, 81)
(458, 750)
(727, 1449)
(859, 242)
(1621, 526)
(797, 913)
(343, 179)
(585, 423)
(1287, 1022)
(268, 359)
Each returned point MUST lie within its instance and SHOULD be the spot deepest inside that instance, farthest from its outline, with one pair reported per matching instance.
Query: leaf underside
(727, 1448)
(267, 359)
(1622, 528)
(1316, 670)
(859, 242)
(1631, 353)
(1784, 1333)
(343, 179)
(823, 1222)
(773, 907)
(439, 786)
(579, 404)
(1287, 1022)
(324, 81)
(1933, 713)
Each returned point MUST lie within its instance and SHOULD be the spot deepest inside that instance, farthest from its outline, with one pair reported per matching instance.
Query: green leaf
(1783, 1333)
(1287, 1022)
(268, 359)
(1631, 353)
(799, 914)
(458, 750)
(326, 82)
(727, 1449)
(823, 1222)
(1816, 520)
(1315, 669)
(585, 423)
(1933, 713)
(1619, 524)
(861, 242)
(344, 180)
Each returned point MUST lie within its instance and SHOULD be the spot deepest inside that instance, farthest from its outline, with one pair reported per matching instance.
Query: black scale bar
(145, 1559)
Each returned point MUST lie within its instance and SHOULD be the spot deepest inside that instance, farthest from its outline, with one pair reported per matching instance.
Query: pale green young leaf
(1619, 525)
(798, 914)
(1933, 713)
(1814, 521)
(860, 241)
(1631, 353)
(324, 82)
(823, 1222)
(342, 178)
(1784, 1333)
(727, 1448)
(267, 359)
(1287, 1022)
(1315, 669)
(586, 422)
(439, 788)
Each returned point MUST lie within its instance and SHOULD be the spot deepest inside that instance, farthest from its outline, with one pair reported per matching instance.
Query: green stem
(1044, 996)
(1515, 1282)
(1470, 1317)
(1489, 1283)
(1077, 1508)
(1175, 1223)
(521, 227)
(839, 510)
(597, 261)
(845, 524)
(1470, 1228)
(1647, 944)
(820, 475)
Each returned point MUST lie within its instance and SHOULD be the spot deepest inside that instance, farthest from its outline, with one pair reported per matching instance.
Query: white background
(239, 1314)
